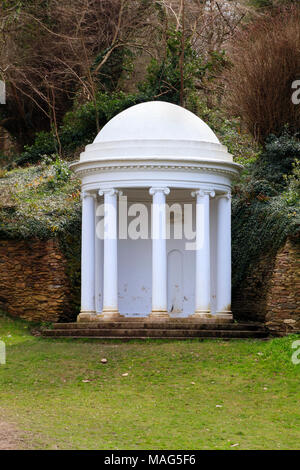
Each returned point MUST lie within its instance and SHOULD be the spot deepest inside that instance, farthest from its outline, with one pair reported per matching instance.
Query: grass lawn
(177, 394)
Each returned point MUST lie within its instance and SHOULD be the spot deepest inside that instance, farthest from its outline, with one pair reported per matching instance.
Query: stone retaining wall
(33, 280)
(272, 293)
(34, 285)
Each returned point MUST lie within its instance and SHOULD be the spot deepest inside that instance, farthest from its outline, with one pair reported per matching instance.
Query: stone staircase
(142, 328)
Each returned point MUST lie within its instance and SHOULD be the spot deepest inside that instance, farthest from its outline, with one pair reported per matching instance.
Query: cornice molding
(142, 166)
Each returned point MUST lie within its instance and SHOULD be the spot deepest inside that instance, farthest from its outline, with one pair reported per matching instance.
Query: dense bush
(45, 144)
(38, 201)
(62, 172)
(79, 126)
(239, 144)
(292, 194)
(277, 158)
(166, 79)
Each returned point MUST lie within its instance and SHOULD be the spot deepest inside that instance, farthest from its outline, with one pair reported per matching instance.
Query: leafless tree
(266, 61)
(63, 55)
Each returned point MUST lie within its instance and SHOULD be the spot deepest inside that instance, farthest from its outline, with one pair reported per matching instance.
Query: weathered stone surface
(283, 297)
(272, 293)
(183, 328)
(33, 280)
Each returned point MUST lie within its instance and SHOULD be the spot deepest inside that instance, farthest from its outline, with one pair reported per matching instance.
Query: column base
(226, 314)
(87, 316)
(159, 315)
(202, 314)
(109, 314)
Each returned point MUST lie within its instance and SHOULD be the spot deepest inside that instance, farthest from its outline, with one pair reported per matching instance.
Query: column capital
(228, 195)
(203, 192)
(110, 192)
(155, 190)
(85, 194)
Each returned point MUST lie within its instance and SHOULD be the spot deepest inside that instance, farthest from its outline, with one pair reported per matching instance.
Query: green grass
(168, 400)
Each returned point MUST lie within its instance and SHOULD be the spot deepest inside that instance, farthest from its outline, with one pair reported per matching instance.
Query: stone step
(115, 333)
(183, 325)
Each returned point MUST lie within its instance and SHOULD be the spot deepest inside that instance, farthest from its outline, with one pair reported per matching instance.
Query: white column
(202, 277)
(224, 255)
(98, 259)
(159, 253)
(87, 257)
(110, 308)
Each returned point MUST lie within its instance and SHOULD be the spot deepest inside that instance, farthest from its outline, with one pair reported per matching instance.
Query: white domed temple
(156, 211)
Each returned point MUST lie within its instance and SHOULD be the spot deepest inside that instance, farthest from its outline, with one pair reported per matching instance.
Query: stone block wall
(283, 297)
(33, 280)
(272, 293)
(34, 285)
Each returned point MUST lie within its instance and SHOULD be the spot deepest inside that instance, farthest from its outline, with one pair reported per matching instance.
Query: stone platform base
(220, 318)
(142, 328)
(87, 317)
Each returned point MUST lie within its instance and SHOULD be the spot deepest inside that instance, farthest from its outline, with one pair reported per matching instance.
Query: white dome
(156, 143)
(156, 120)
(156, 130)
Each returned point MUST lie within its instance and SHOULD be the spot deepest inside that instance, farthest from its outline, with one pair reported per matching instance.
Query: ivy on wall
(70, 245)
(259, 226)
(266, 204)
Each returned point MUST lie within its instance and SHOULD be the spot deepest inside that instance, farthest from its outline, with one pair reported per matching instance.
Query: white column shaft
(88, 255)
(110, 254)
(224, 255)
(203, 283)
(98, 261)
(159, 252)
